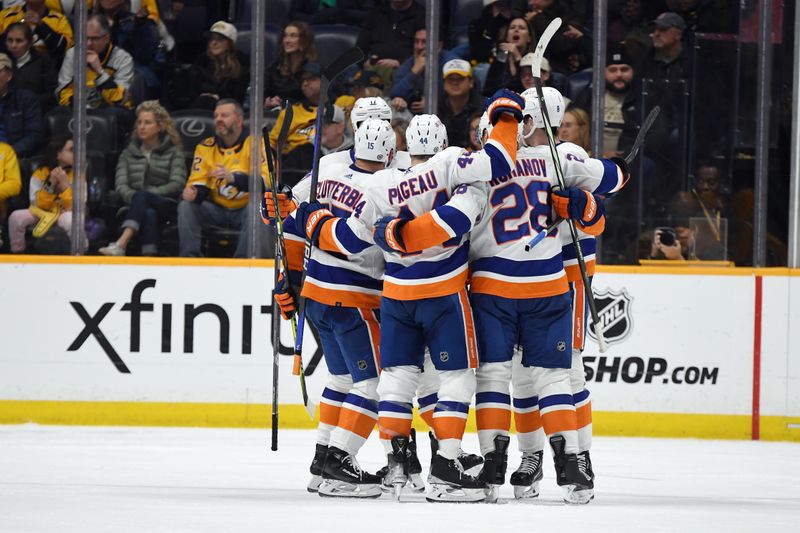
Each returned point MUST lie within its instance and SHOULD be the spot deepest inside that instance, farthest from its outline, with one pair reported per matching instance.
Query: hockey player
(523, 297)
(342, 299)
(423, 232)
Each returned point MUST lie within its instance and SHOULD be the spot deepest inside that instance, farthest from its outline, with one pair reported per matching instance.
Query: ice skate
(581, 496)
(344, 478)
(396, 475)
(570, 473)
(414, 467)
(468, 460)
(493, 472)
(449, 482)
(316, 468)
(526, 478)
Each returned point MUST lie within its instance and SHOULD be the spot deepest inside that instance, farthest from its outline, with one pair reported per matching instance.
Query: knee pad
(398, 383)
(457, 385)
(551, 381)
(577, 376)
(429, 379)
(522, 379)
(340, 383)
(493, 377)
(367, 388)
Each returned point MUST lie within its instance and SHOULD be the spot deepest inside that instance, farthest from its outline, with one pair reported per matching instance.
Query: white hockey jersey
(348, 157)
(518, 208)
(332, 278)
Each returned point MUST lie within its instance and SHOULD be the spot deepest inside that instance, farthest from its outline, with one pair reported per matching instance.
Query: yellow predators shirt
(302, 129)
(209, 154)
(45, 198)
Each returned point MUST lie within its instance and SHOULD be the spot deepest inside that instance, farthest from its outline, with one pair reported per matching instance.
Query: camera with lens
(667, 236)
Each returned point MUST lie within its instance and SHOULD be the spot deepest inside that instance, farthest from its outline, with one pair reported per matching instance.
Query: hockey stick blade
(640, 137)
(544, 40)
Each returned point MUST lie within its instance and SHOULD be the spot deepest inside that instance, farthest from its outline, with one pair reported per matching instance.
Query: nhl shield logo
(614, 310)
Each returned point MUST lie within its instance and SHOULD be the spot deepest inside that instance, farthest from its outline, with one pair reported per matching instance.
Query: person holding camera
(506, 68)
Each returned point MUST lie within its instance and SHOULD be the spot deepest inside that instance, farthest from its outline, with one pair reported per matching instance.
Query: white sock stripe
(560, 407)
(493, 405)
(450, 414)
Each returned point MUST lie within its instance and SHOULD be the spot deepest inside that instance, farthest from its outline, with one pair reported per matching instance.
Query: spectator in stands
(221, 71)
(51, 29)
(10, 181)
(299, 151)
(505, 69)
(677, 243)
(710, 16)
(622, 110)
(666, 60)
(137, 34)
(409, 79)
(575, 128)
(350, 12)
(151, 172)
(460, 101)
(487, 31)
(33, 71)
(109, 74)
(21, 114)
(50, 195)
(400, 126)
(217, 190)
(387, 32)
(569, 50)
(474, 142)
(366, 84)
(632, 28)
(282, 80)
(335, 137)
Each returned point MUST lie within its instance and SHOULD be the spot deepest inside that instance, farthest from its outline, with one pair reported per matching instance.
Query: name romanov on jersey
(342, 193)
(525, 167)
(416, 185)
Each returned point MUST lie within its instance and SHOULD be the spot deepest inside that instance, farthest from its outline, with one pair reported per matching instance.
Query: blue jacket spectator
(21, 126)
(410, 77)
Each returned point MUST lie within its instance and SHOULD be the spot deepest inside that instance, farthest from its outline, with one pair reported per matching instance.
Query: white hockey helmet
(426, 135)
(552, 99)
(371, 107)
(375, 141)
(484, 128)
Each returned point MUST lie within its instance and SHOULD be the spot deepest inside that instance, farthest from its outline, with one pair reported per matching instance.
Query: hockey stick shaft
(642, 135)
(537, 79)
(339, 65)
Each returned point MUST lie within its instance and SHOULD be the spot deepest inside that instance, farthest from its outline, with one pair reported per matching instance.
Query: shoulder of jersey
(209, 141)
(401, 160)
(572, 148)
(335, 158)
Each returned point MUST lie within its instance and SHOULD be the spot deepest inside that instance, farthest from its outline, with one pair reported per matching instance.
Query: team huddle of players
(421, 285)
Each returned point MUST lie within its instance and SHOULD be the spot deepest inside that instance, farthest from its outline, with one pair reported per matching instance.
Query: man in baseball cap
(666, 60)
(526, 73)
(460, 101)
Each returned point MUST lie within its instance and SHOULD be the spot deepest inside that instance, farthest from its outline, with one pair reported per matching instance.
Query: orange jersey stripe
(329, 414)
(356, 422)
(374, 330)
(423, 232)
(559, 420)
(485, 285)
(342, 298)
(584, 414)
(527, 422)
(493, 418)
(294, 253)
(425, 290)
(389, 427)
(578, 315)
(449, 427)
(427, 416)
(469, 326)
(574, 271)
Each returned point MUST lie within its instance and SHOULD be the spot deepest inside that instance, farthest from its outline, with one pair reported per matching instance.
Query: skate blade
(575, 496)
(313, 484)
(342, 489)
(443, 492)
(492, 493)
(522, 492)
(398, 490)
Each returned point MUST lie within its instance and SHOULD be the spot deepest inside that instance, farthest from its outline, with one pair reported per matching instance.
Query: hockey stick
(536, 69)
(637, 144)
(280, 259)
(339, 65)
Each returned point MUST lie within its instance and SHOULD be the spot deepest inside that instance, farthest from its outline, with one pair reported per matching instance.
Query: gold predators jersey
(209, 154)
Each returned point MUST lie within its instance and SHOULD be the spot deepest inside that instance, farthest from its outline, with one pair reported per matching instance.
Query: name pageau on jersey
(352, 280)
(518, 208)
(448, 192)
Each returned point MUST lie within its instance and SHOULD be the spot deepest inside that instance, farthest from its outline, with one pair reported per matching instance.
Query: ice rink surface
(148, 480)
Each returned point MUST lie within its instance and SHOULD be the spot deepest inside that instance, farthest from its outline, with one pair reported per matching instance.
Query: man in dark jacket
(387, 34)
(21, 124)
(460, 102)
